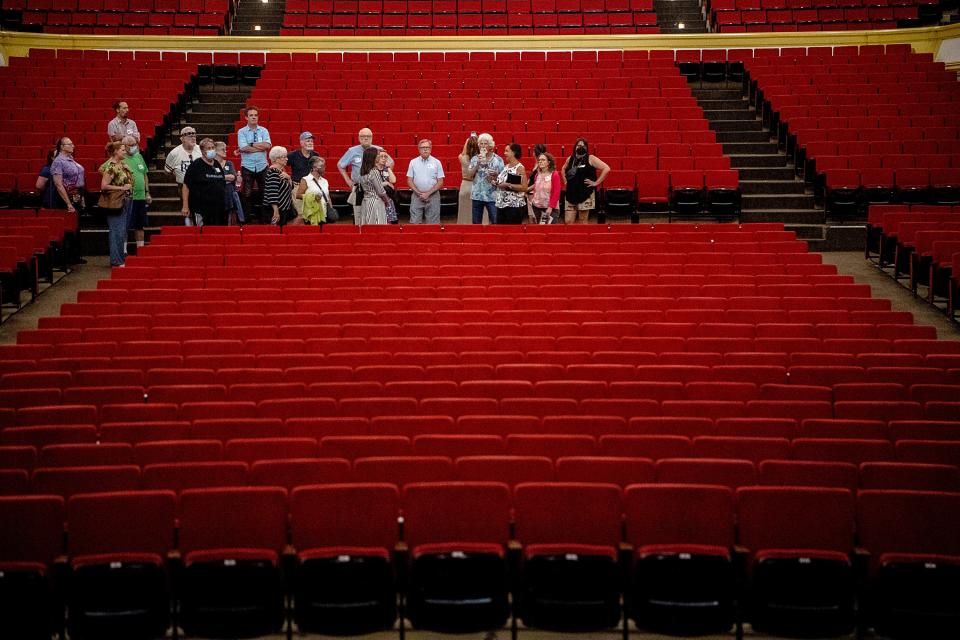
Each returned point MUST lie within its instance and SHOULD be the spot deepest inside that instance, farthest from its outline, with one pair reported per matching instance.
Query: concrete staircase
(257, 13)
(213, 112)
(680, 16)
(772, 192)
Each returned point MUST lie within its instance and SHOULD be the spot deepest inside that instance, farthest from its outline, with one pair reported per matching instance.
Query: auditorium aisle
(848, 262)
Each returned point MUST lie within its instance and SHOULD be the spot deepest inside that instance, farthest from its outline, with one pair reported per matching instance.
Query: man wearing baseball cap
(179, 160)
(299, 160)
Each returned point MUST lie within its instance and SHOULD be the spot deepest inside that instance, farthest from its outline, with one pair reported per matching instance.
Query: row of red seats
(850, 190)
(139, 6)
(466, 6)
(605, 416)
(729, 5)
(683, 382)
(37, 422)
(313, 457)
(235, 537)
(898, 213)
(32, 245)
(851, 353)
(860, 18)
(446, 26)
(96, 20)
(884, 231)
(148, 422)
(922, 243)
(292, 463)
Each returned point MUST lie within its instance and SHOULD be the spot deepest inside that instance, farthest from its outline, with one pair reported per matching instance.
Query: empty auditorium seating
(684, 364)
(739, 16)
(129, 17)
(567, 17)
(868, 96)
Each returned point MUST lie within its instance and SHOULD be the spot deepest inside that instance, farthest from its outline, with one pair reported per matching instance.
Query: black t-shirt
(207, 188)
(299, 164)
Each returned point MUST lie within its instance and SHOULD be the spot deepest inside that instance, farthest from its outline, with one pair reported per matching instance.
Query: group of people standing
(497, 190)
(213, 191)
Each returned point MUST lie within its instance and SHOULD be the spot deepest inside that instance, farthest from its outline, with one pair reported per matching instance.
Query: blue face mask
(132, 151)
(211, 154)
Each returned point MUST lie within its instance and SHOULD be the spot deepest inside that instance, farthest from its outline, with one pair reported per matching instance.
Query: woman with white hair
(484, 168)
(278, 188)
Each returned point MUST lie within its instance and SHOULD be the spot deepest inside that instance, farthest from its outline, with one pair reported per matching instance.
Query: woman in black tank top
(581, 179)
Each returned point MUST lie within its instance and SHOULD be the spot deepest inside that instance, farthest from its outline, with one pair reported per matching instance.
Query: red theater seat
(458, 569)
(118, 549)
(912, 537)
(570, 571)
(345, 534)
(684, 578)
(232, 539)
(800, 540)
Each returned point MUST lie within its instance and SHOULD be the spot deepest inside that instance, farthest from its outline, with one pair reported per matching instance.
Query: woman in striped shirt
(278, 188)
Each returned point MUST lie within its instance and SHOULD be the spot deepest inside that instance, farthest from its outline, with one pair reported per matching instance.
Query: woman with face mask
(314, 192)
(204, 188)
(484, 168)
(232, 178)
(580, 177)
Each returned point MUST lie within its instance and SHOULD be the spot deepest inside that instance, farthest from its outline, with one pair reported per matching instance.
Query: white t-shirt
(179, 159)
(315, 185)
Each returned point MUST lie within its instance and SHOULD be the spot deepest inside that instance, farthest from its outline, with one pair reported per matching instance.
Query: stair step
(808, 231)
(682, 15)
(777, 200)
(767, 173)
(684, 30)
(722, 105)
(211, 118)
(787, 216)
(717, 94)
(730, 114)
(757, 161)
(736, 125)
(743, 136)
(741, 148)
(769, 187)
(213, 113)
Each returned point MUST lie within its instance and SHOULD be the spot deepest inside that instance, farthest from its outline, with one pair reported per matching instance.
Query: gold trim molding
(922, 39)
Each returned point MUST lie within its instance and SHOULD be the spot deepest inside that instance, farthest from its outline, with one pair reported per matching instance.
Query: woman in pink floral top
(545, 196)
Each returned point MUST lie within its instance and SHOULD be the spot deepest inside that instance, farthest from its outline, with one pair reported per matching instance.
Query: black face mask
(580, 151)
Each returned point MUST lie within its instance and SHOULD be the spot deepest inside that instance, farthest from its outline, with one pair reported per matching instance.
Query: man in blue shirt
(253, 143)
(352, 159)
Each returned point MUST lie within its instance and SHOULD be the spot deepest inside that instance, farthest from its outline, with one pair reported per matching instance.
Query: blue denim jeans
(117, 224)
(479, 206)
